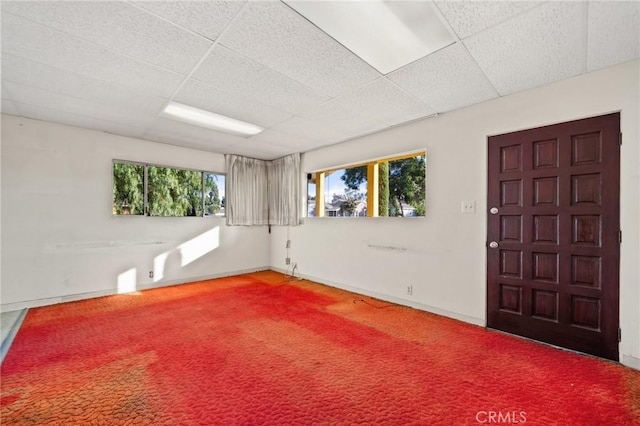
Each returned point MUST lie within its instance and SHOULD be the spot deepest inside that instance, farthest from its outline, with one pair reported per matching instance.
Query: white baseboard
(630, 361)
(420, 306)
(8, 307)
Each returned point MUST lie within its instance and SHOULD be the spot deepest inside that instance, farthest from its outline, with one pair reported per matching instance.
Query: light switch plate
(468, 207)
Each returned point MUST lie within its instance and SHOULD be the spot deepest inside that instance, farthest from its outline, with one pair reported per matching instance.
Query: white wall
(60, 240)
(443, 255)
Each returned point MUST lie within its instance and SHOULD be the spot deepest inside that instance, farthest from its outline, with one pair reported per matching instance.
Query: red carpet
(256, 350)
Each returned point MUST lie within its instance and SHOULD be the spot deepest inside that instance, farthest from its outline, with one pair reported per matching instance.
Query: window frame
(372, 184)
(146, 187)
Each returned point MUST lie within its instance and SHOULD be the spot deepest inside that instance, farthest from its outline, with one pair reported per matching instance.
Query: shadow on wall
(172, 260)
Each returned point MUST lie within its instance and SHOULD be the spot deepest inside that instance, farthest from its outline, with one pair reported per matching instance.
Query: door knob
(494, 210)
(493, 244)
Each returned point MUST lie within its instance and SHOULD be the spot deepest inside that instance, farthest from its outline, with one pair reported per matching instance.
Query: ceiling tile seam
(142, 137)
(272, 128)
(162, 18)
(327, 95)
(91, 43)
(337, 98)
(475, 61)
(268, 153)
(276, 124)
(276, 144)
(407, 122)
(78, 115)
(421, 58)
(525, 11)
(200, 61)
(68, 96)
(364, 135)
(336, 41)
(411, 95)
(306, 138)
(90, 76)
(221, 43)
(221, 146)
(78, 74)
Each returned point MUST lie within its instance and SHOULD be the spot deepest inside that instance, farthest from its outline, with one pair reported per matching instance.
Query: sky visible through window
(334, 185)
(221, 184)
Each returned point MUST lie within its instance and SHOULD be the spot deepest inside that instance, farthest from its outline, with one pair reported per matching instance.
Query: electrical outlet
(150, 274)
(287, 261)
(468, 207)
(409, 290)
(288, 243)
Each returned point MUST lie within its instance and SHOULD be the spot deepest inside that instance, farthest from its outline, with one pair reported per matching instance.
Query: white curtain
(246, 198)
(263, 192)
(284, 190)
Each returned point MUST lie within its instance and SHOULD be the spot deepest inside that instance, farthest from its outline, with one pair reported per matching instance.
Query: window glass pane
(402, 187)
(174, 192)
(311, 197)
(399, 189)
(345, 192)
(128, 189)
(214, 194)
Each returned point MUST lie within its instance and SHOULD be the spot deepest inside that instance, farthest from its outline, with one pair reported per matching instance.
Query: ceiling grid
(114, 65)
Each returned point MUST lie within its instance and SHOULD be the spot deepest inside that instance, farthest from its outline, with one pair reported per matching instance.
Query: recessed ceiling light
(386, 34)
(199, 117)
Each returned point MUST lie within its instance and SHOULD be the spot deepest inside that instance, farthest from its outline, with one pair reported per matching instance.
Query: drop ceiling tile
(45, 77)
(420, 111)
(41, 44)
(175, 131)
(303, 128)
(233, 72)
(445, 80)
(470, 17)
(543, 45)
(55, 116)
(185, 143)
(207, 18)
(276, 36)
(261, 151)
(120, 27)
(614, 33)
(273, 137)
(368, 108)
(234, 105)
(43, 98)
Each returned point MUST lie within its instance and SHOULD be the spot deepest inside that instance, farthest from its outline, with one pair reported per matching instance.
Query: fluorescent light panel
(199, 117)
(386, 34)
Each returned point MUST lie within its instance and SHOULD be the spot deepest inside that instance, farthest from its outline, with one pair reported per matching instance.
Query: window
(342, 193)
(128, 188)
(387, 187)
(164, 191)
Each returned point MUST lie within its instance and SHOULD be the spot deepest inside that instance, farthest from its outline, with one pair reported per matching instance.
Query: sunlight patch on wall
(197, 247)
(159, 263)
(127, 281)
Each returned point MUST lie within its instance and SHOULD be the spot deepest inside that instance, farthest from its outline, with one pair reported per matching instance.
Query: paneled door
(553, 234)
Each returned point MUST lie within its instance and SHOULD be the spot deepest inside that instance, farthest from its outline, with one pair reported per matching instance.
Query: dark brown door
(553, 234)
